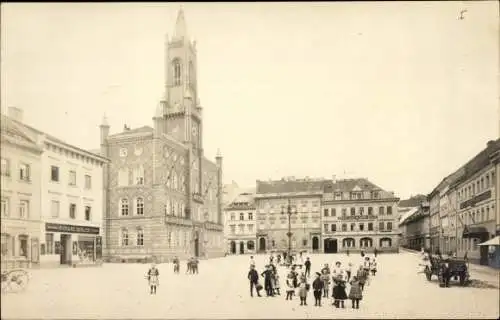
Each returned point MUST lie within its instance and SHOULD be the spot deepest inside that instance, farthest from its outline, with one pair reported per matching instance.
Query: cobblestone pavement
(221, 291)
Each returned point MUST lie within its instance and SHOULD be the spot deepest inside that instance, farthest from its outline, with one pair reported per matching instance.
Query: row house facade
(358, 215)
(273, 200)
(69, 209)
(163, 196)
(464, 208)
(21, 165)
(240, 225)
(415, 228)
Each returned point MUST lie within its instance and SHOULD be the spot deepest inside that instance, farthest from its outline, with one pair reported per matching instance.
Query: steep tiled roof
(145, 129)
(289, 186)
(347, 185)
(245, 199)
(414, 201)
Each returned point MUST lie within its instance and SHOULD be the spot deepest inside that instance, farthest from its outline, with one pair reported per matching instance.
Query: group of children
(337, 279)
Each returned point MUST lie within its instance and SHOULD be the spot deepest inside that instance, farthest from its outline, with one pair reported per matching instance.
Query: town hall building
(163, 196)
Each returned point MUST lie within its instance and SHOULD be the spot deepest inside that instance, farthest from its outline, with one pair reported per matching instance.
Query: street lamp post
(289, 210)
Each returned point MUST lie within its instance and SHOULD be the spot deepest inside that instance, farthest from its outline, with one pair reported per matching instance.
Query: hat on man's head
(318, 274)
(338, 262)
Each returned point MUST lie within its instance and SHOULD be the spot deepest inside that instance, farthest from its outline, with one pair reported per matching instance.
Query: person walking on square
(303, 288)
(252, 261)
(189, 265)
(366, 267)
(325, 277)
(375, 252)
(152, 277)
(176, 264)
(308, 267)
(289, 286)
(253, 277)
(355, 293)
(267, 275)
(318, 286)
(373, 266)
(295, 277)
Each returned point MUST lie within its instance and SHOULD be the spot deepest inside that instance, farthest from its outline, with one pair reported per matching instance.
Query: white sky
(400, 93)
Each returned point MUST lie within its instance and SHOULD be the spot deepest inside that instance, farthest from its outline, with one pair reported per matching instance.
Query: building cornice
(364, 201)
(77, 150)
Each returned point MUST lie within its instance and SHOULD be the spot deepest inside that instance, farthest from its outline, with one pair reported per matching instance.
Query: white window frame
(124, 237)
(139, 176)
(54, 174)
(4, 207)
(24, 209)
(72, 205)
(5, 167)
(55, 208)
(139, 206)
(124, 206)
(72, 178)
(140, 237)
(89, 212)
(88, 181)
(24, 172)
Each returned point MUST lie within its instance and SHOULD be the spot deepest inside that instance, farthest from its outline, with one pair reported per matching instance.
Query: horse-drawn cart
(446, 269)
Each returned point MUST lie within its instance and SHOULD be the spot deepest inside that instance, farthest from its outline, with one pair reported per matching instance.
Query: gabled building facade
(358, 215)
(164, 197)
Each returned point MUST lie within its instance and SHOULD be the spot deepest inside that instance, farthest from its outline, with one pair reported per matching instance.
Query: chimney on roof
(15, 113)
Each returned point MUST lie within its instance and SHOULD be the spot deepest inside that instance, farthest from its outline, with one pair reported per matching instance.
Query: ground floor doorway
(330, 245)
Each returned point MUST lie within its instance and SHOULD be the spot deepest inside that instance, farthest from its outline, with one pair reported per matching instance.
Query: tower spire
(180, 30)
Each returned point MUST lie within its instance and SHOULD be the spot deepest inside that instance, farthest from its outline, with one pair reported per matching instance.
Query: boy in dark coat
(268, 285)
(308, 267)
(253, 276)
(318, 285)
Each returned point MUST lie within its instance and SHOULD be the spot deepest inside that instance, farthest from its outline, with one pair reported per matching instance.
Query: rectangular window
(361, 227)
(334, 212)
(88, 213)
(492, 179)
(361, 211)
(232, 216)
(370, 226)
(139, 176)
(325, 227)
(54, 173)
(242, 216)
(4, 207)
(353, 211)
(5, 168)
(487, 181)
(140, 237)
(72, 178)
(333, 227)
(250, 228)
(344, 212)
(54, 209)
(389, 210)
(49, 243)
(24, 209)
(381, 226)
(124, 237)
(72, 210)
(352, 226)
(381, 211)
(389, 226)
(344, 227)
(338, 196)
(325, 212)
(88, 181)
(233, 229)
(250, 216)
(24, 172)
(370, 211)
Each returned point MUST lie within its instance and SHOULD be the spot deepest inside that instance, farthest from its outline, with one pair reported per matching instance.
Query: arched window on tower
(176, 69)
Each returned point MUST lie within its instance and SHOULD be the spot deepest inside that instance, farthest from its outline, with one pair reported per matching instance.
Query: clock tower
(182, 111)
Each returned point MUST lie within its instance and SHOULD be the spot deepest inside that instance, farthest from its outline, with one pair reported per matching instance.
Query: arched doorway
(366, 242)
(197, 244)
(385, 243)
(242, 247)
(233, 247)
(262, 244)
(348, 243)
(250, 245)
(315, 245)
(330, 245)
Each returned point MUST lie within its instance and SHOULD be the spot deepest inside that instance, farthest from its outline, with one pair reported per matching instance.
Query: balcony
(357, 218)
(180, 221)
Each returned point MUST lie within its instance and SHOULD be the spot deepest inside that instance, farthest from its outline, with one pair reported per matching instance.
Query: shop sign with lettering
(67, 228)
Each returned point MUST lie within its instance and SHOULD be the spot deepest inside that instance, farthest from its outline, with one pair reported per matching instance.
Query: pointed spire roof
(104, 122)
(180, 30)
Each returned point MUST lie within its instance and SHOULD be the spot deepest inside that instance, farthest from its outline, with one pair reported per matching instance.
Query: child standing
(318, 288)
(277, 284)
(339, 294)
(152, 277)
(361, 277)
(325, 276)
(373, 266)
(355, 294)
(303, 288)
(289, 286)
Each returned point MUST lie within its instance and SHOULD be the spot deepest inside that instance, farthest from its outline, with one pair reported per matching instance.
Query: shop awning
(492, 242)
(474, 232)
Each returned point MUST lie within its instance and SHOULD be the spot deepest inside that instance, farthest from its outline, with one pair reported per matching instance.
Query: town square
(250, 160)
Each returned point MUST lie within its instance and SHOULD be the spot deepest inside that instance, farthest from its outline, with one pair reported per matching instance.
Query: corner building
(163, 196)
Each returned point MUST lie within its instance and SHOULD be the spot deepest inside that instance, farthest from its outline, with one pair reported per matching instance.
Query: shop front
(71, 245)
(19, 244)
